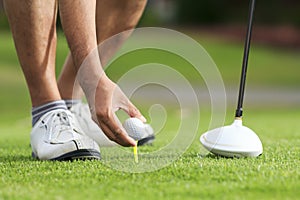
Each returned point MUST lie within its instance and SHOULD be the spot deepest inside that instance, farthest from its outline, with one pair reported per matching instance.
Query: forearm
(104, 96)
(78, 21)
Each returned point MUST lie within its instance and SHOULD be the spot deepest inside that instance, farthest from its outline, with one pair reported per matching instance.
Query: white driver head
(235, 140)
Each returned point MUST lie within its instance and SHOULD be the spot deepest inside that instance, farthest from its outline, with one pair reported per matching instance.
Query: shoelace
(60, 122)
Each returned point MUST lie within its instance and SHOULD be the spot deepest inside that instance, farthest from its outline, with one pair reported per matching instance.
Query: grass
(274, 175)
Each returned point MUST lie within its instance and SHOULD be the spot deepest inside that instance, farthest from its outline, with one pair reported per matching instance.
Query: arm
(104, 96)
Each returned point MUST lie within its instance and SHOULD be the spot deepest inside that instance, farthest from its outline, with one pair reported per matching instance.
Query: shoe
(56, 136)
(83, 116)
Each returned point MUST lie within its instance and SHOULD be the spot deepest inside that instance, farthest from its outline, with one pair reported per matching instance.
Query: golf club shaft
(239, 110)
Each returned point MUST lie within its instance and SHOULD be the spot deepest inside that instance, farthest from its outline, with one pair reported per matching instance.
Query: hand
(108, 99)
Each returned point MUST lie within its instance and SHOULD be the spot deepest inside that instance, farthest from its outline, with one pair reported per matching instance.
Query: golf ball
(135, 128)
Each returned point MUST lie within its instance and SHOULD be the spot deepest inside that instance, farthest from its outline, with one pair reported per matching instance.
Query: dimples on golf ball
(134, 127)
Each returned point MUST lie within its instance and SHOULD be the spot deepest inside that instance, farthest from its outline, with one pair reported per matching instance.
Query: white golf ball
(135, 128)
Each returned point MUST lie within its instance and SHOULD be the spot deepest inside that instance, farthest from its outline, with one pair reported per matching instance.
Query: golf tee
(135, 153)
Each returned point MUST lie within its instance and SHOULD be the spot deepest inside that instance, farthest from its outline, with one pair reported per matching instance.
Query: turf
(195, 175)
(274, 175)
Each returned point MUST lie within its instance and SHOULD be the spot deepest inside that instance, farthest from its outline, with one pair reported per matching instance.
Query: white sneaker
(83, 116)
(56, 136)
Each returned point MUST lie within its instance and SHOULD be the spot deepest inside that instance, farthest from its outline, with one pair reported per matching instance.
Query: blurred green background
(219, 26)
(273, 80)
(190, 12)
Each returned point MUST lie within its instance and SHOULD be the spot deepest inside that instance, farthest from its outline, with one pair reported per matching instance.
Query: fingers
(125, 104)
(114, 130)
(132, 111)
(110, 98)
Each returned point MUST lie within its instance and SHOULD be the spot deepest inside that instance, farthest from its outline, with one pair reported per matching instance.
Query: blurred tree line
(270, 12)
(211, 12)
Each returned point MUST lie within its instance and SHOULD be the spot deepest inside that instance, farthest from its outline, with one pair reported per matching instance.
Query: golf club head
(234, 140)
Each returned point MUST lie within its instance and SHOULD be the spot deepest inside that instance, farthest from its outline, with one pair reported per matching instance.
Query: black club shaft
(239, 110)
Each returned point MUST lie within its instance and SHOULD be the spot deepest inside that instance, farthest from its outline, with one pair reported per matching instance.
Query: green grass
(274, 175)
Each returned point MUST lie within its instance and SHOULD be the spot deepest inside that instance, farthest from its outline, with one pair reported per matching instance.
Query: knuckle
(118, 132)
(134, 111)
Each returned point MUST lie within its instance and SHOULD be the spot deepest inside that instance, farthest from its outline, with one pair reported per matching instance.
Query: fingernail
(133, 142)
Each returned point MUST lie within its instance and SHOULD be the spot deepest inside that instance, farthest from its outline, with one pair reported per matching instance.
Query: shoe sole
(146, 141)
(81, 154)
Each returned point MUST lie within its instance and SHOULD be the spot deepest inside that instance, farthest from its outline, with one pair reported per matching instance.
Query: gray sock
(71, 102)
(39, 111)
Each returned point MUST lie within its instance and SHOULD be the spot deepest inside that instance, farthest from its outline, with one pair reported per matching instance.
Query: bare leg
(112, 17)
(54, 134)
(33, 24)
(68, 88)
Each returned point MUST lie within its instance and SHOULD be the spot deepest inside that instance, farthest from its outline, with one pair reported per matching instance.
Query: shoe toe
(47, 151)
